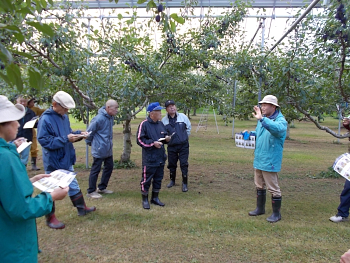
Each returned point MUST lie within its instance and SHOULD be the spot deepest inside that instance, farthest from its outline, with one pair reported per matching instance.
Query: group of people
(18, 208)
(174, 130)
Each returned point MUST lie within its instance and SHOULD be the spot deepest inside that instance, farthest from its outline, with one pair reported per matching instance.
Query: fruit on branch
(158, 18)
(160, 8)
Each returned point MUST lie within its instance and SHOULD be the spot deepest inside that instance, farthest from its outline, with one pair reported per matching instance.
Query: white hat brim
(13, 113)
(269, 102)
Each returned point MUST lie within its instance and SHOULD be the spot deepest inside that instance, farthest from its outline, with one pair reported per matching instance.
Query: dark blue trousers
(95, 170)
(179, 152)
(151, 175)
(343, 208)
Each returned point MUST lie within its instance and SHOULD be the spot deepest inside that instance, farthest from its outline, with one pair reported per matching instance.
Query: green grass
(210, 223)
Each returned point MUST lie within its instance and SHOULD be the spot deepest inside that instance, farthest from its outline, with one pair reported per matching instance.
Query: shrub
(124, 165)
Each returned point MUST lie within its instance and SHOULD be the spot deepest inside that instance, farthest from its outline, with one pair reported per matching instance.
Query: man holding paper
(343, 208)
(34, 149)
(56, 138)
(101, 142)
(25, 133)
(179, 126)
(148, 136)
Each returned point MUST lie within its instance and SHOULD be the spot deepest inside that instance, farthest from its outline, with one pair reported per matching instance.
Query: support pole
(308, 9)
(217, 128)
(262, 50)
(87, 108)
(234, 107)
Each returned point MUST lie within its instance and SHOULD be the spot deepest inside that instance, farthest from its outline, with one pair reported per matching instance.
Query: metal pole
(217, 128)
(308, 9)
(87, 108)
(234, 106)
(339, 126)
(340, 118)
(262, 50)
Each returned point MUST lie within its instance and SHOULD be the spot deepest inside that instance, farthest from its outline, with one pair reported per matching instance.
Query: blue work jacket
(58, 151)
(101, 136)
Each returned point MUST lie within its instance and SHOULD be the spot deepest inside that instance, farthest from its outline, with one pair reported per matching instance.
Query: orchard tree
(311, 74)
(123, 63)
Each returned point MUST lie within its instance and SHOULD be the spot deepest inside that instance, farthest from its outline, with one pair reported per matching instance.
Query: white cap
(10, 112)
(270, 99)
(64, 99)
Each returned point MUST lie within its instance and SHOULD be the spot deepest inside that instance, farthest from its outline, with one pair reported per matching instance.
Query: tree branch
(324, 128)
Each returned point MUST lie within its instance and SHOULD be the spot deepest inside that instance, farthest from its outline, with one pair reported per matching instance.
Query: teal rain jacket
(18, 209)
(270, 135)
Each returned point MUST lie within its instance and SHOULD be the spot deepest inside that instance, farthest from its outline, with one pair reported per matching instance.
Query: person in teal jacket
(18, 208)
(271, 132)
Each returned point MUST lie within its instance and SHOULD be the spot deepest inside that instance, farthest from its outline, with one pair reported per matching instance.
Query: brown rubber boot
(51, 220)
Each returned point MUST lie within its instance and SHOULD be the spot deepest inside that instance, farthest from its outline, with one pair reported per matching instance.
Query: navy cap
(154, 106)
(169, 102)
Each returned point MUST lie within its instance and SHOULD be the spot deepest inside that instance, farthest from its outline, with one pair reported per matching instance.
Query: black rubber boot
(79, 203)
(34, 167)
(172, 179)
(155, 200)
(276, 208)
(51, 220)
(184, 183)
(260, 203)
(145, 203)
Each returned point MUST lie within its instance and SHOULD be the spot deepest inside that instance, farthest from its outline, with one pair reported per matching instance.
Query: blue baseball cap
(154, 106)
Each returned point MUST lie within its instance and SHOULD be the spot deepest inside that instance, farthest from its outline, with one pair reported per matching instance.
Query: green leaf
(6, 5)
(43, 3)
(13, 28)
(172, 26)
(50, 2)
(139, 2)
(120, 16)
(5, 55)
(6, 79)
(19, 37)
(46, 29)
(26, 55)
(14, 75)
(35, 79)
(177, 18)
(151, 4)
(116, 1)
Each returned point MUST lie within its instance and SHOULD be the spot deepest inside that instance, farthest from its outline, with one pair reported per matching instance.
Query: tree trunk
(194, 112)
(288, 131)
(125, 157)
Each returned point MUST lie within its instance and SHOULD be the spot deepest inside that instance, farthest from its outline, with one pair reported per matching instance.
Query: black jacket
(180, 129)
(148, 132)
(26, 133)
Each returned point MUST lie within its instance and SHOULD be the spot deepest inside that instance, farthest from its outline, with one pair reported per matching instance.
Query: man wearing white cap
(271, 132)
(56, 138)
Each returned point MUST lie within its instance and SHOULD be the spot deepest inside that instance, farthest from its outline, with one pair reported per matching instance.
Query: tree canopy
(43, 50)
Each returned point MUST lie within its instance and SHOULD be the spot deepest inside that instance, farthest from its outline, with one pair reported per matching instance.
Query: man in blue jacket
(271, 132)
(26, 133)
(56, 138)
(151, 135)
(101, 141)
(178, 126)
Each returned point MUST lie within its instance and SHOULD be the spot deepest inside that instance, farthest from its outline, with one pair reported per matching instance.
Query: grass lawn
(210, 222)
